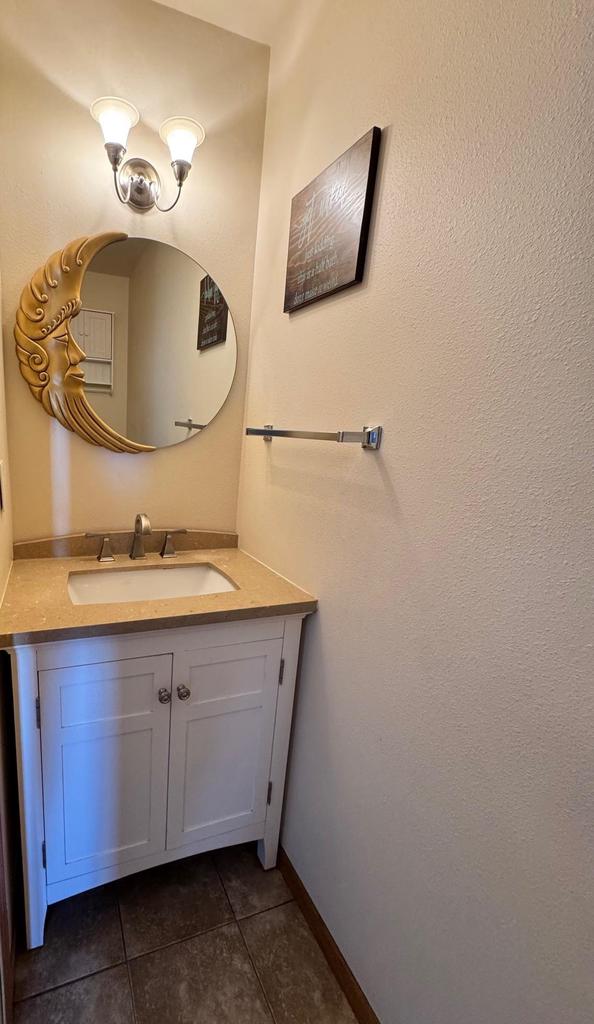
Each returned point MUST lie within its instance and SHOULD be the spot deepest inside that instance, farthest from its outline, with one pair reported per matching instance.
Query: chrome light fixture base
(181, 169)
(139, 184)
(136, 181)
(115, 153)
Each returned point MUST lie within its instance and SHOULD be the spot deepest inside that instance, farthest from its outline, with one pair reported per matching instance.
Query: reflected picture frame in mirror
(164, 388)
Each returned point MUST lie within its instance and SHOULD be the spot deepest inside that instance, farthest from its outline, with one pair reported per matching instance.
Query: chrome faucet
(142, 527)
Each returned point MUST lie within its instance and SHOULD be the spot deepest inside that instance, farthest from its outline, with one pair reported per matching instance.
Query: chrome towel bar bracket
(369, 438)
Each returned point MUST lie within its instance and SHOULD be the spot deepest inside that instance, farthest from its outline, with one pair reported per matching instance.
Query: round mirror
(158, 339)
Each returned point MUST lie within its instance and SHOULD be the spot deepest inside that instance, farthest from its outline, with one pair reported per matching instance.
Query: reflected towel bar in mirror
(369, 438)
(189, 424)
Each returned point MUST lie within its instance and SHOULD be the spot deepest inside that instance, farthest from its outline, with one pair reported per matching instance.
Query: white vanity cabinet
(222, 728)
(105, 751)
(140, 749)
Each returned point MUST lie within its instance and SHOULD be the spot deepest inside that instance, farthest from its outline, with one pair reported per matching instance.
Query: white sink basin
(111, 586)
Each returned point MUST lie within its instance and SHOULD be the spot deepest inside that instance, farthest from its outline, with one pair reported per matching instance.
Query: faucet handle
(105, 552)
(142, 523)
(168, 550)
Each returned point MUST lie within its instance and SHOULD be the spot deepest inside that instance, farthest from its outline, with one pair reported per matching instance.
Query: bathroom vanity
(147, 731)
(153, 697)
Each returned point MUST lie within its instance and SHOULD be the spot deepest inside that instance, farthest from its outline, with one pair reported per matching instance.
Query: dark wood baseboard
(338, 965)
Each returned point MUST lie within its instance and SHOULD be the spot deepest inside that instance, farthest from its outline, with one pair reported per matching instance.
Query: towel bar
(369, 438)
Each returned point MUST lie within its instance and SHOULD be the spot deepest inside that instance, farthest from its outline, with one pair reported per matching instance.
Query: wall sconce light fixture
(136, 181)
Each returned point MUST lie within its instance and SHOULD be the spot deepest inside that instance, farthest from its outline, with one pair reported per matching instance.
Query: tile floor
(208, 940)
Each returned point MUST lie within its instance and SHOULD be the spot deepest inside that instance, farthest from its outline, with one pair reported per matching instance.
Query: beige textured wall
(56, 185)
(6, 513)
(439, 809)
(7, 780)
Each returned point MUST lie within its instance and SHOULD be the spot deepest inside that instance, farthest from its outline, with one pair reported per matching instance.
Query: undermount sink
(111, 586)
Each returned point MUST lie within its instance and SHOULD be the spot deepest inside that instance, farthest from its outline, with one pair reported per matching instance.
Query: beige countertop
(37, 609)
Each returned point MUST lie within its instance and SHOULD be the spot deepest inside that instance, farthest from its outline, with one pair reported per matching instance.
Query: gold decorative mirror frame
(47, 351)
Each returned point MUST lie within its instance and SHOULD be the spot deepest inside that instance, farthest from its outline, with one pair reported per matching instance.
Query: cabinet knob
(164, 695)
(183, 692)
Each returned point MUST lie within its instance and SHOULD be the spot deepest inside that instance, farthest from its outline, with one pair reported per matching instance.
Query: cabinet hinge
(43, 854)
(281, 672)
(38, 712)
(269, 797)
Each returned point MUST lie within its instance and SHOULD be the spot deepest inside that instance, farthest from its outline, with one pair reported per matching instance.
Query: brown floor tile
(101, 999)
(299, 985)
(206, 980)
(250, 889)
(82, 935)
(170, 903)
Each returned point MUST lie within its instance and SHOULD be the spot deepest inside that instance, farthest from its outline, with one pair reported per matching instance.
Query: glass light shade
(116, 118)
(182, 135)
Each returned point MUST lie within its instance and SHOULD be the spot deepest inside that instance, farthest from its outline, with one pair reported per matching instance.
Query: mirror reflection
(159, 341)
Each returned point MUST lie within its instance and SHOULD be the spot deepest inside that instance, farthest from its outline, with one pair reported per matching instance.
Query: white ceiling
(256, 19)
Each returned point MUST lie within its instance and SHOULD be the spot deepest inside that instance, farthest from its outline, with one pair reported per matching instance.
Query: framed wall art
(330, 225)
(214, 312)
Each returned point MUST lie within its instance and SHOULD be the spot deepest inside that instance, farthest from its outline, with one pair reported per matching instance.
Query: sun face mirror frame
(52, 359)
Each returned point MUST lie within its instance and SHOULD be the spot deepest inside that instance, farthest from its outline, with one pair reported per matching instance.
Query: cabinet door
(221, 739)
(105, 742)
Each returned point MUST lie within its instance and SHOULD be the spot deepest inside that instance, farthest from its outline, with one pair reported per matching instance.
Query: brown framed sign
(330, 226)
(214, 312)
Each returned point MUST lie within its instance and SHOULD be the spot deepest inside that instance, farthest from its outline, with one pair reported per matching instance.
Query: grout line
(213, 861)
(238, 921)
(156, 949)
(185, 938)
(222, 881)
(117, 895)
(255, 970)
(265, 910)
(245, 917)
(128, 971)
(131, 987)
(70, 981)
(354, 994)
(130, 957)
(127, 958)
